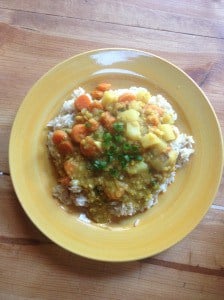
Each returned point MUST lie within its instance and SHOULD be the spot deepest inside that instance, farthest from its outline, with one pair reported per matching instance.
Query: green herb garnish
(117, 152)
(118, 126)
(118, 138)
(138, 157)
(114, 172)
(99, 164)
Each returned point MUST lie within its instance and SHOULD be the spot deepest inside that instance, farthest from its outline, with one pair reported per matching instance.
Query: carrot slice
(153, 120)
(89, 148)
(126, 97)
(104, 86)
(64, 181)
(59, 136)
(92, 125)
(97, 94)
(81, 102)
(79, 132)
(96, 105)
(107, 120)
(155, 108)
(69, 167)
(65, 147)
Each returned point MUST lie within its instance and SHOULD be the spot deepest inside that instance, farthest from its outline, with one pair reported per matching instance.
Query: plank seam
(184, 267)
(153, 261)
(23, 241)
(2, 173)
(112, 23)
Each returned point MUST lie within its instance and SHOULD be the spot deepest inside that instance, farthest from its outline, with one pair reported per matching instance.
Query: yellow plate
(179, 210)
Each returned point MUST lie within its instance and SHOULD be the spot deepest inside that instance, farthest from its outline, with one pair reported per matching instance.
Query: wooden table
(36, 35)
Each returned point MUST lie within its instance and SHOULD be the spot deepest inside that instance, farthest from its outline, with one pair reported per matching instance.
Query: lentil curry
(118, 150)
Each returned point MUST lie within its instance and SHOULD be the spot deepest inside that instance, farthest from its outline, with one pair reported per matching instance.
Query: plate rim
(26, 98)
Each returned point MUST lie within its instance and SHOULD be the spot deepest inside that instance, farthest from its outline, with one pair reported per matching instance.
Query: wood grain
(36, 35)
(202, 18)
(62, 275)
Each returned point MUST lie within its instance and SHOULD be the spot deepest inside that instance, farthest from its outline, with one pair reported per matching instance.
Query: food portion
(115, 151)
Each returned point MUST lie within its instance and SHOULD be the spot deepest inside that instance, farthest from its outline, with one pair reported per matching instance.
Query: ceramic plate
(179, 210)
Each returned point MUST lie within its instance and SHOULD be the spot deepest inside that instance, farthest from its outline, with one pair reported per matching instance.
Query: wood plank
(219, 199)
(189, 17)
(56, 274)
(14, 222)
(203, 247)
(111, 33)
(4, 145)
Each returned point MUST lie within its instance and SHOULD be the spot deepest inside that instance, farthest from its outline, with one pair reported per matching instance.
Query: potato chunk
(129, 115)
(143, 95)
(168, 133)
(138, 168)
(167, 118)
(164, 162)
(109, 97)
(149, 140)
(133, 130)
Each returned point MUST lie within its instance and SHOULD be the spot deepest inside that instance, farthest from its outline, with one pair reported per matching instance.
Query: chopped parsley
(117, 153)
(99, 164)
(114, 172)
(118, 126)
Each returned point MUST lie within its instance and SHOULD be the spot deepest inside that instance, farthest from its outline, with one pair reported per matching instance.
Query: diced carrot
(126, 97)
(155, 108)
(89, 148)
(81, 102)
(59, 136)
(97, 94)
(153, 120)
(92, 125)
(79, 132)
(64, 181)
(95, 105)
(107, 120)
(104, 86)
(65, 147)
(69, 167)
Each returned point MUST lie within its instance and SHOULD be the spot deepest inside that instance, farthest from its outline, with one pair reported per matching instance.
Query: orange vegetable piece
(126, 97)
(59, 136)
(79, 132)
(69, 167)
(81, 102)
(107, 120)
(65, 147)
(88, 147)
(104, 86)
(153, 120)
(64, 181)
(97, 94)
(155, 108)
(93, 125)
(95, 104)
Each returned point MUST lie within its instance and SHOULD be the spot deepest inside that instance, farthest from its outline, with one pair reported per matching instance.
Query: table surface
(36, 35)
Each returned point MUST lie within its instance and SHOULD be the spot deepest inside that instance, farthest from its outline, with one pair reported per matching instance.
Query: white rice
(62, 121)
(183, 145)
(160, 101)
